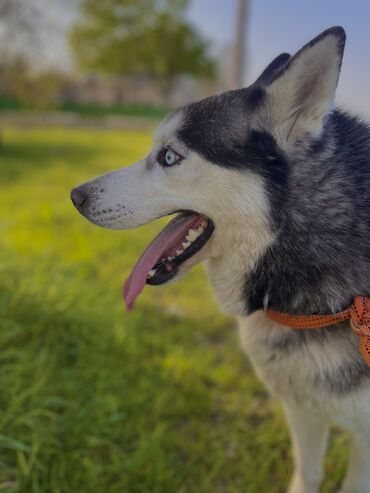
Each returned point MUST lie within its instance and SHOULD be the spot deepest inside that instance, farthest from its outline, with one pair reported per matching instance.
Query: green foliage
(147, 37)
(93, 399)
(38, 90)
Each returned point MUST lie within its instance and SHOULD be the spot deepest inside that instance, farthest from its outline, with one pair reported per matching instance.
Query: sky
(285, 26)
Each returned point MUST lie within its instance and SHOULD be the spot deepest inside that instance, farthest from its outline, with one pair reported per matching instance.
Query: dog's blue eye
(168, 157)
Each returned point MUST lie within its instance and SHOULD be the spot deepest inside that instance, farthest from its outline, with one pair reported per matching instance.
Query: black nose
(78, 197)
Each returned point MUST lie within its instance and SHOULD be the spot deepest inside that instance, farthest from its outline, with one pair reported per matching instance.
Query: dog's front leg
(358, 474)
(309, 437)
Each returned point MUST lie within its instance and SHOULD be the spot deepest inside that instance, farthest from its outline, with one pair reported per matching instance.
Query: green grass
(87, 109)
(93, 399)
(84, 109)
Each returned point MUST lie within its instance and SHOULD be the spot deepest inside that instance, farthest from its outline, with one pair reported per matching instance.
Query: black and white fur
(285, 177)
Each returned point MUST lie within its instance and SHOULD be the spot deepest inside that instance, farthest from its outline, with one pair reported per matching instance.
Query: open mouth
(181, 239)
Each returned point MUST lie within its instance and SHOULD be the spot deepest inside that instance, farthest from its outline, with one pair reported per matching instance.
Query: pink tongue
(173, 233)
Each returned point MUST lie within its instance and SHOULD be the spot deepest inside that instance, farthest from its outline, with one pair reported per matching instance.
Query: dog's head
(222, 165)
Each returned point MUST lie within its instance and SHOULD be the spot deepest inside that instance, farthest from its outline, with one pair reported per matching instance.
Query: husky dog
(271, 186)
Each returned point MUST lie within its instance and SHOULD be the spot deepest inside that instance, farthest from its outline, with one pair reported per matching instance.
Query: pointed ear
(303, 92)
(272, 70)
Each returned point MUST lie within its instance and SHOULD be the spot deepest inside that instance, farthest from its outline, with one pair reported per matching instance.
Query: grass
(93, 399)
(87, 109)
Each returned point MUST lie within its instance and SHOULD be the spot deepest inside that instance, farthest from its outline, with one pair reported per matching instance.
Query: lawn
(95, 400)
(86, 109)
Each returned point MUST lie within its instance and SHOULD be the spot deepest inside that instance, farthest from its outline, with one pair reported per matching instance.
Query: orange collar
(358, 314)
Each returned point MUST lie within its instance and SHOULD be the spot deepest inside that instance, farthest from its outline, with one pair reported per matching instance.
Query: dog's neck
(227, 271)
(320, 259)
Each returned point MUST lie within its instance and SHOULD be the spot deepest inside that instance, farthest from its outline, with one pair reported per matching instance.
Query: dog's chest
(282, 369)
(321, 372)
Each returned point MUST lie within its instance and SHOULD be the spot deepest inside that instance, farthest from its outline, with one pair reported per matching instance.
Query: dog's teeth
(170, 258)
(179, 252)
(192, 235)
(186, 244)
(151, 273)
(204, 223)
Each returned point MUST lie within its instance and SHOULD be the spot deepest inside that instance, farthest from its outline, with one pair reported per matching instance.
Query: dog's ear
(272, 70)
(303, 92)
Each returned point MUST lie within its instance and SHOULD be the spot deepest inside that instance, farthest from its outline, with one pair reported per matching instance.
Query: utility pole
(238, 53)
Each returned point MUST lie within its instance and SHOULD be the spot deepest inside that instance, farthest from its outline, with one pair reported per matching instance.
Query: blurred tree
(38, 90)
(141, 37)
(29, 35)
(20, 24)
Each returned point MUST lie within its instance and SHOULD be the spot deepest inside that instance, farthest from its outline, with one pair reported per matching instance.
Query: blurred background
(161, 400)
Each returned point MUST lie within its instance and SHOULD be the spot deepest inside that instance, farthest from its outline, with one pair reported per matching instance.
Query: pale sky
(285, 25)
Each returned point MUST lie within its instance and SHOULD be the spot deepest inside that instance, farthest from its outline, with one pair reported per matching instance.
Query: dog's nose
(78, 197)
